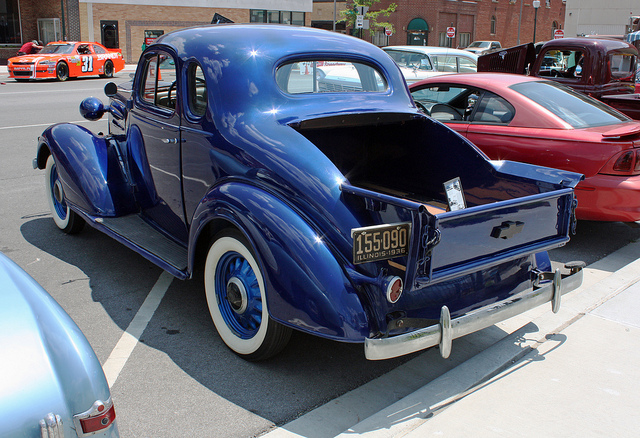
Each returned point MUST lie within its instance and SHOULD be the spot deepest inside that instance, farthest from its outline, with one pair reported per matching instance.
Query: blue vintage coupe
(291, 166)
(51, 382)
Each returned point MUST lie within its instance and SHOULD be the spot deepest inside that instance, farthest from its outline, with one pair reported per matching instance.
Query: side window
(444, 63)
(99, 50)
(562, 64)
(622, 65)
(493, 109)
(159, 82)
(197, 94)
(466, 65)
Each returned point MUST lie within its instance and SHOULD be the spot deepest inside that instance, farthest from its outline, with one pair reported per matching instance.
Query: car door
(200, 138)
(87, 61)
(154, 137)
(489, 128)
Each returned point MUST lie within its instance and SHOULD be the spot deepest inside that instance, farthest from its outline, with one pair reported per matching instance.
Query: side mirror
(92, 108)
(110, 89)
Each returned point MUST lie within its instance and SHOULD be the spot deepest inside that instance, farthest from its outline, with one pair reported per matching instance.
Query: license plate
(380, 242)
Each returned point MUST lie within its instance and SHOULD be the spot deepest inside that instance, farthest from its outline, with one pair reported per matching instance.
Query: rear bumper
(609, 198)
(442, 334)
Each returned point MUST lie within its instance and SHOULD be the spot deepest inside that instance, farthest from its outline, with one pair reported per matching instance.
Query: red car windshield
(576, 109)
(60, 49)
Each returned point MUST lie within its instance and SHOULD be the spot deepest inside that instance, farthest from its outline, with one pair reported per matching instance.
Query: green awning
(418, 24)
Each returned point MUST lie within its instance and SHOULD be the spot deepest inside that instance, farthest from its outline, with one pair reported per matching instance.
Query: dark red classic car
(601, 68)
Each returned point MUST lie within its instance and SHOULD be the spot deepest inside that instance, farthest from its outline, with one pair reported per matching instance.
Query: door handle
(171, 141)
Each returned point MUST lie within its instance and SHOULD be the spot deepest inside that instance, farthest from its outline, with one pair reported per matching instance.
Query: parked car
(601, 68)
(421, 62)
(483, 47)
(345, 213)
(63, 60)
(538, 121)
(52, 384)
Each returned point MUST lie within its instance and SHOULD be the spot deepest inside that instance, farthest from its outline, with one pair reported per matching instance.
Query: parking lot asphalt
(573, 373)
(568, 374)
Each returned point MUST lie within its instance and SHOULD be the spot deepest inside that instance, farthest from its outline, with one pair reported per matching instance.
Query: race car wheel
(235, 292)
(65, 218)
(62, 71)
(108, 70)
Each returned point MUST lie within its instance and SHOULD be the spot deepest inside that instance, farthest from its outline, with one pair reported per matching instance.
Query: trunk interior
(412, 159)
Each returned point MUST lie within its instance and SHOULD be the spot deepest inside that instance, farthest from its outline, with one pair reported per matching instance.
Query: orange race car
(65, 59)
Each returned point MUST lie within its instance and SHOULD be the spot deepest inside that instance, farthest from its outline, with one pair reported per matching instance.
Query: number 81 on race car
(380, 242)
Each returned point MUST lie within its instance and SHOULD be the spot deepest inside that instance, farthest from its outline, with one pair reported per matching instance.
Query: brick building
(127, 24)
(425, 22)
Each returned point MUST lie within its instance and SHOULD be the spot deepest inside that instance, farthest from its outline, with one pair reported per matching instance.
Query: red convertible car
(519, 118)
(65, 59)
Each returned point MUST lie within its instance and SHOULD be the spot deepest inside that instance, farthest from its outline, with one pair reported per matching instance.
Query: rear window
(576, 109)
(329, 76)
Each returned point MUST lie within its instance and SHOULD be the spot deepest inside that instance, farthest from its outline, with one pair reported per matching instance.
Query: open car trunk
(396, 168)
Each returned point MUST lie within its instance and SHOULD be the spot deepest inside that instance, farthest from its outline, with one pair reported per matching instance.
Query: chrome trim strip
(443, 333)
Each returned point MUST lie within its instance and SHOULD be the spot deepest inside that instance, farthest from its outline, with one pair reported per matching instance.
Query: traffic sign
(451, 32)
(558, 33)
(388, 32)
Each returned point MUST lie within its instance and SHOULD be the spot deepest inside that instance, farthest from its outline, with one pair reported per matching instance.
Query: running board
(137, 234)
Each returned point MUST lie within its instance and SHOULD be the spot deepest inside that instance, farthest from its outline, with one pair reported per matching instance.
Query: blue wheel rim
(233, 267)
(59, 207)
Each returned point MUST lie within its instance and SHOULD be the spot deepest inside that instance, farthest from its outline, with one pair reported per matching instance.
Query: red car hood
(35, 57)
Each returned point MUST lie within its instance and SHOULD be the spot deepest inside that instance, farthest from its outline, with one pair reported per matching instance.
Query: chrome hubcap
(237, 295)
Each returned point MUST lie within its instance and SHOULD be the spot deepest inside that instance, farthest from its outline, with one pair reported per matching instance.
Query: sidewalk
(574, 373)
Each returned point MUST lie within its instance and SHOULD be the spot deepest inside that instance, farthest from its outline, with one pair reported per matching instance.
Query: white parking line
(39, 124)
(129, 339)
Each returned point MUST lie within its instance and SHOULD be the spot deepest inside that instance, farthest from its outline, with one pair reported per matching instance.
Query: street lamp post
(536, 5)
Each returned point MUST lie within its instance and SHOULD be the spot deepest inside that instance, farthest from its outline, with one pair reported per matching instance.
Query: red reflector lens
(624, 163)
(637, 168)
(99, 422)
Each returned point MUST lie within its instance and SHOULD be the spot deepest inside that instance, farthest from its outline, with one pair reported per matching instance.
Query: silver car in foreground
(51, 382)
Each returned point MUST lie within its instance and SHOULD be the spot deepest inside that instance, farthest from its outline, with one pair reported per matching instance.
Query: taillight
(624, 163)
(99, 417)
(393, 288)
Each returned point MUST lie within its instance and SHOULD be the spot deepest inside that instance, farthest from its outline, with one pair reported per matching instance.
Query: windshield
(479, 44)
(329, 76)
(576, 109)
(61, 49)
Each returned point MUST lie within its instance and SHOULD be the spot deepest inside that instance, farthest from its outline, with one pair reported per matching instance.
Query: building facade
(131, 24)
(595, 17)
(511, 22)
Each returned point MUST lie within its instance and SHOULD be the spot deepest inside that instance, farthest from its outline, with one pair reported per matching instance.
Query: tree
(349, 15)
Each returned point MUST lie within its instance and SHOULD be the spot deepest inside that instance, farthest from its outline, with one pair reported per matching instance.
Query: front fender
(306, 285)
(89, 169)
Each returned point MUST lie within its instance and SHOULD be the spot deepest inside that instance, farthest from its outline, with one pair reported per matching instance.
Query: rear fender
(89, 169)
(306, 285)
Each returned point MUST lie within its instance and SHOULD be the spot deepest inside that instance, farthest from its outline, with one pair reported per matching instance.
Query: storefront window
(281, 17)
(9, 22)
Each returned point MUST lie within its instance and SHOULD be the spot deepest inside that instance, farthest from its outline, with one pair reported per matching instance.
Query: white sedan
(422, 62)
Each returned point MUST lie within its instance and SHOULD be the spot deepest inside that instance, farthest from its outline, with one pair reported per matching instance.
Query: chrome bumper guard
(448, 329)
